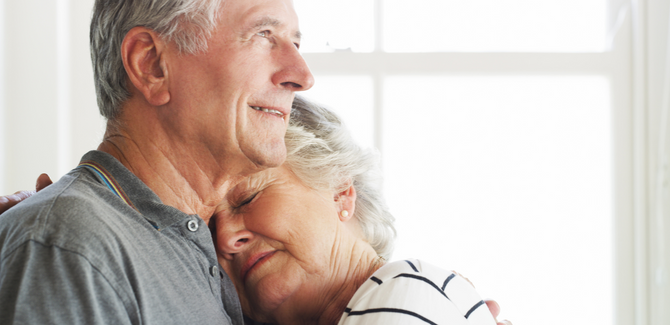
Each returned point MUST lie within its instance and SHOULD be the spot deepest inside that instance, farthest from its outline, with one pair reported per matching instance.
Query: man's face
(236, 97)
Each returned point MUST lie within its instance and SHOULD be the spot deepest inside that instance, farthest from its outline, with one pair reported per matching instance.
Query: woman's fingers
(11, 200)
(493, 307)
(495, 311)
(42, 181)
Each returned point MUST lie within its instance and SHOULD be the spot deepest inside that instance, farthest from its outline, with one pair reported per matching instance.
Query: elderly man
(197, 94)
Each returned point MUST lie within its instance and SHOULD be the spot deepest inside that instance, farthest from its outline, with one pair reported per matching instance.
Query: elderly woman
(307, 242)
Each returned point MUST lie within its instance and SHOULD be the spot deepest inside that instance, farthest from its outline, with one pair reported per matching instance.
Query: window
(496, 124)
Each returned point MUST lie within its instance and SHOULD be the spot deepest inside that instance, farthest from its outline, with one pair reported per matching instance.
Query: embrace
(210, 161)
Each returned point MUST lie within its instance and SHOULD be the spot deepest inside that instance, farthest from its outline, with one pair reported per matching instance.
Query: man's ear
(142, 53)
(346, 201)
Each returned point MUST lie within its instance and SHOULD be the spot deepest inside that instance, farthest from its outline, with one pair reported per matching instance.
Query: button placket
(209, 266)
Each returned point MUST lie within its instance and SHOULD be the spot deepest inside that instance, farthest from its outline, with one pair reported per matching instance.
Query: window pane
(495, 25)
(508, 181)
(329, 25)
(351, 98)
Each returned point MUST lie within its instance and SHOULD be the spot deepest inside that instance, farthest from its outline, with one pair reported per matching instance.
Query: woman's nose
(232, 236)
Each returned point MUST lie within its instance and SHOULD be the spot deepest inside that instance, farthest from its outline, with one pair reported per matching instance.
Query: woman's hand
(9, 201)
(495, 310)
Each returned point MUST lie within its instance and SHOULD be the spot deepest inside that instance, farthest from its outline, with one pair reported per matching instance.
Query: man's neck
(191, 182)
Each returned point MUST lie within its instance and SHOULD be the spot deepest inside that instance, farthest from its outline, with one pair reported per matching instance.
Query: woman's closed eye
(247, 200)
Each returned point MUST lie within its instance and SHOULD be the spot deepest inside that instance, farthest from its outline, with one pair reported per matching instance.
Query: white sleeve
(417, 293)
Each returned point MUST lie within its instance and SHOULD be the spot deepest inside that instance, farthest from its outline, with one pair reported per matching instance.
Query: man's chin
(270, 157)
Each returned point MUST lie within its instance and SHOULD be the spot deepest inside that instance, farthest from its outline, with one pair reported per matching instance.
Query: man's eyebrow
(266, 21)
(269, 21)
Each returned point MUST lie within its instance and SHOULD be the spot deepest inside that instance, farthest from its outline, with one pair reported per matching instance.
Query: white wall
(49, 109)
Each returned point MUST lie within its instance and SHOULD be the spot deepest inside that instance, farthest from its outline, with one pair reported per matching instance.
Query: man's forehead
(256, 14)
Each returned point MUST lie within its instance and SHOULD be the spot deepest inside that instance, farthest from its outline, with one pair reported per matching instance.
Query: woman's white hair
(189, 23)
(323, 155)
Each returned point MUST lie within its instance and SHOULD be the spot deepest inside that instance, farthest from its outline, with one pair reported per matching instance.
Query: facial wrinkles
(325, 268)
(264, 22)
(325, 282)
(278, 33)
(276, 98)
(281, 32)
(310, 258)
(253, 184)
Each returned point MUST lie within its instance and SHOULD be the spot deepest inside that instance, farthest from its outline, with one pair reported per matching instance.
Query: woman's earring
(344, 213)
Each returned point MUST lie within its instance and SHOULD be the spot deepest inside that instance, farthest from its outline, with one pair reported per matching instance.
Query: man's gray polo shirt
(76, 253)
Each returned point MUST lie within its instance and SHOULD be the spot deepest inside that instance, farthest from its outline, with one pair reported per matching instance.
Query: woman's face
(280, 242)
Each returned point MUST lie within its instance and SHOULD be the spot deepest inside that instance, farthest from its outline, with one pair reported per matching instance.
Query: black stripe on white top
(388, 310)
(477, 305)
(412, 265)
(419, 279)
(444, 285)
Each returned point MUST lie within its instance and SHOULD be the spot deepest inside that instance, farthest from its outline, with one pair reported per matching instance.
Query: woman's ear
(346, 202)
(142, 53)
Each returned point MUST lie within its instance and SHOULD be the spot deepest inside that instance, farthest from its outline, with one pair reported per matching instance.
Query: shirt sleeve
(50, 285)
(414, 297)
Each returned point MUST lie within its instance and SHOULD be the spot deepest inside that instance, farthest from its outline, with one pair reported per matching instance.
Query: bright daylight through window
(505, 176)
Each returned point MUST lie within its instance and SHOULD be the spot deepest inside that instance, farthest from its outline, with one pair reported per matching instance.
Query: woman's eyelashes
(247, 200)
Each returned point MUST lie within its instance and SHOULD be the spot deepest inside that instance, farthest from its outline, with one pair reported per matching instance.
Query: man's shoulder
(68, 213)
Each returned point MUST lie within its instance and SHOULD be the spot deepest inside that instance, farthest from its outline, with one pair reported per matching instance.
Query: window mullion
(440, 63)
(379, 25)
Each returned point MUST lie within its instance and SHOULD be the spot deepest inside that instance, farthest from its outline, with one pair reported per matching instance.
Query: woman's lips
(254, 261)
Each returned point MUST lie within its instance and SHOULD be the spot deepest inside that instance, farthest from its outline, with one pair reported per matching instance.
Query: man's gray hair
(189, 23)
(323, 155)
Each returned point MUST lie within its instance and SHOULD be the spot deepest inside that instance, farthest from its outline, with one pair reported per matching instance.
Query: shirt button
(214, 271)
(192, 225)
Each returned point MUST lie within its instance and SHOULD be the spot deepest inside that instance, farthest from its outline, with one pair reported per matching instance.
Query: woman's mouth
(253, 262)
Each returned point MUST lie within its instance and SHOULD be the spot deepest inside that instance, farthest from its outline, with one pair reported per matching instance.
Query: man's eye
(264, 33)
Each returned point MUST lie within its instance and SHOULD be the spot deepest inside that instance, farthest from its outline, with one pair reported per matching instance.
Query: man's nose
(294, 73)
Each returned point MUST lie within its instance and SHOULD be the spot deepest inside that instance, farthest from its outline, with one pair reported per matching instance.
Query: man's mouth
(268, 110)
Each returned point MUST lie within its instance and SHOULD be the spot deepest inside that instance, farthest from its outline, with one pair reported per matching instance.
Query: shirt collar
(139, 195)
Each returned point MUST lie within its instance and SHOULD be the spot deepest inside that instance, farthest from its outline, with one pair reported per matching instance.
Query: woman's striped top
(415, 292)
